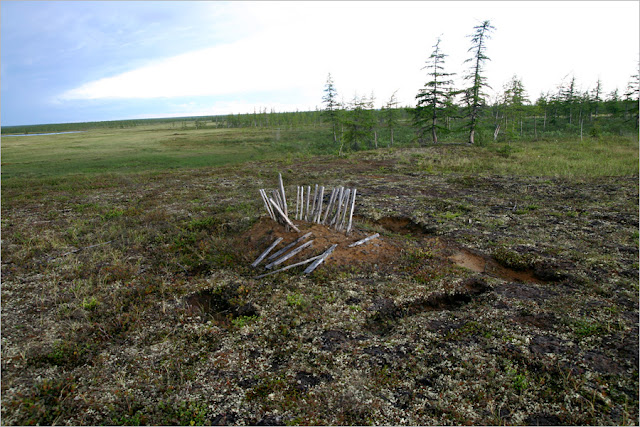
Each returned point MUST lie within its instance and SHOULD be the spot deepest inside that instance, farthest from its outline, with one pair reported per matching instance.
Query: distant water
(51, 133)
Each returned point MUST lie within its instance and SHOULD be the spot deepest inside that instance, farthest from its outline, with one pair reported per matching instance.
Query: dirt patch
(377, 251)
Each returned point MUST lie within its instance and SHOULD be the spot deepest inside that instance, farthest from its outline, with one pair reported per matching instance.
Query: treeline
(444, 112)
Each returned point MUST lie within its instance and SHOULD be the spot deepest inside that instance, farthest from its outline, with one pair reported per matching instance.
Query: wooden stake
(338, 205)
(365, 240)
(267, 204)
(306, 218)
(313, 207)
(319, 261)
(289, 255)
(320, 200)
(297, 201)
(307, 261)
(301, 202)
(288, 221)
(266, 252)
(340, 224)
(289, 246)
(353, 205)
(284, 198)
(330, 205)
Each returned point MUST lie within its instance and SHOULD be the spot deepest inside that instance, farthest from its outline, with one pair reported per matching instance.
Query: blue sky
(90, 61)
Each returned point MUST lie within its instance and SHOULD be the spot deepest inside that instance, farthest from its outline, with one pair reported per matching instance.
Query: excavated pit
(383, 251)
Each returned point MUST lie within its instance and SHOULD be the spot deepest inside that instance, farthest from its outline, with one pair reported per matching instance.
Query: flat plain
(503, 288)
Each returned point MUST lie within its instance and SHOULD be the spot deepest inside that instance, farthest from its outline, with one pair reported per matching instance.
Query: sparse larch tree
(473, 94)
(432, 99)
(332, 106)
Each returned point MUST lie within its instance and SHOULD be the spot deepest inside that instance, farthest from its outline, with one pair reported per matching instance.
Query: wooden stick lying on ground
(319, 260)
(365, 240)
(307, 261)
(266, 252)
(275, 205)
(289, 255)
(289, 246)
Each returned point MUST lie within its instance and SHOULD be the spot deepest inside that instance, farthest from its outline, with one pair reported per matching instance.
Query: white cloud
(381, 46)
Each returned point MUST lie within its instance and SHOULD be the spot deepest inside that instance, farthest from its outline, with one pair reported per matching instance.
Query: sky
(76, 61)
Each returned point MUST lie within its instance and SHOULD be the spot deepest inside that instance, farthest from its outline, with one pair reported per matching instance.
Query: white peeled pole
(340, 224)
(287, 220)
(297, 201)
(306, 218)
(365, 240)
(319, 261)
(319, 209)
(284, 198)
(301, 202)
(289, 246)
(306, 261)
(266, 252)
(289, 255)
(265, 199)
(353, 205)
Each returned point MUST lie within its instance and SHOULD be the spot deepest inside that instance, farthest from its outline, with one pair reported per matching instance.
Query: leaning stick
(365, 240)
(340, 224)
(284, 198)
(320, 200)
(319, 260)
(338, 205)
(267, 205)
(275, 205)
(289, 255)
(353, 205)
(307, 261)
(289, 246)
(266, 252)
(330, 205)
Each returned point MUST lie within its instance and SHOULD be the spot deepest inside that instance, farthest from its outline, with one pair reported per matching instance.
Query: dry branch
(289, 246)
(266, 252)
(365, 240)
(353, 205)
(319, 260)
(284, 198)
(289, 255)
(288, 221)
(307, 261)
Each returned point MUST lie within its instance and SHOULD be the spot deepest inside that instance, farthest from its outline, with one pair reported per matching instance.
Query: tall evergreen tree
(330, 100)
(433, 98)
(473, 94)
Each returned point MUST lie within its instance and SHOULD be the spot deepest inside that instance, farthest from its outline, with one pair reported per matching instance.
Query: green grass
(158, 147)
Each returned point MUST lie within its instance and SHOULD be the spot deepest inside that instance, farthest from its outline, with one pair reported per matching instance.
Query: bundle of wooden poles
(336, 213)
